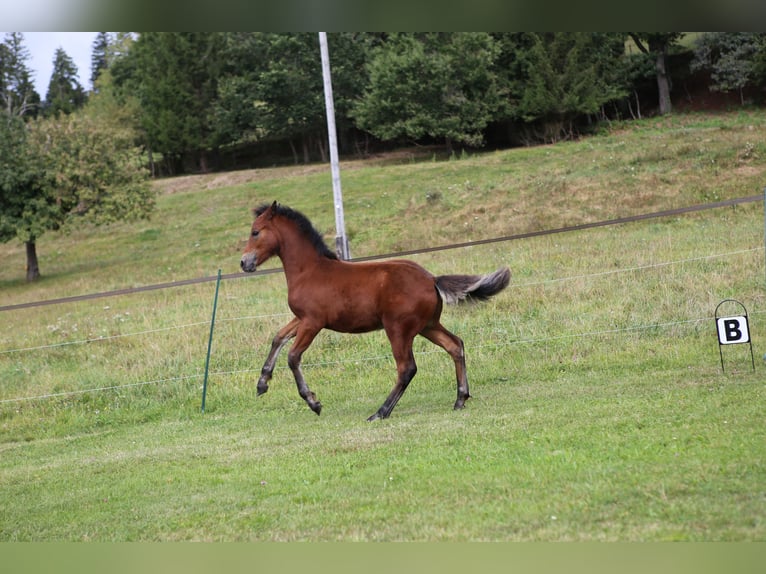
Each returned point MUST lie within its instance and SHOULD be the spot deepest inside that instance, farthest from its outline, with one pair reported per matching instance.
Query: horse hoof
(459, 404)
(377, 416)
(316, 407)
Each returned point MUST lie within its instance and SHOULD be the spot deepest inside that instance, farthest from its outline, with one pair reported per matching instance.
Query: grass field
(600, 410)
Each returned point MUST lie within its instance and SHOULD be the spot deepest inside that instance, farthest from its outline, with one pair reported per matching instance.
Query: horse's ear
(273, 210)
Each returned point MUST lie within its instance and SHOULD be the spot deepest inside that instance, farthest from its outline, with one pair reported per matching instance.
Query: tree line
(165, 103)
(203, 99)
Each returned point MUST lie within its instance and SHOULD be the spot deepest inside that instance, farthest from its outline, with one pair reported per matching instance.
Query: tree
(759, 61)
(290, 91)
(730, 57)
(175, 77)
(431, 85)
(109, 50)
(238, 109)
(17, 94)
(636, 70)
(99, 59)
(19, 193)
(271, 88)
(555, 79)
(112, 96)
(17, 176)
(657, 45)
(65, 94)
(71, 168)
(349, 54)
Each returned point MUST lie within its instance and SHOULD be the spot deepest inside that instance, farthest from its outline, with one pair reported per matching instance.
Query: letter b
(733, 330)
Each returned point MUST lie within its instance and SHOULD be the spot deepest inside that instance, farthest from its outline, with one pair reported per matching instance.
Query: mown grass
(600, 411)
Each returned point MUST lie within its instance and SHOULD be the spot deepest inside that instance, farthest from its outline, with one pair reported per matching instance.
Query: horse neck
(297, 253)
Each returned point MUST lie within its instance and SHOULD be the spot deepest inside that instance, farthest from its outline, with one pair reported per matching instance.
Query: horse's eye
(255, 233)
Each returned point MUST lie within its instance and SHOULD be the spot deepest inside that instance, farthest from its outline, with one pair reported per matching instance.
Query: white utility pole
(341, 241)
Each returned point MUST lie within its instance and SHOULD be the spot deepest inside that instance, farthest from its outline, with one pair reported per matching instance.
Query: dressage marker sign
(733, 330)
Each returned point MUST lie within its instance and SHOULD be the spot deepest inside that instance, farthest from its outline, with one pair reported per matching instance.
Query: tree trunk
(306, 149)
(151, 162)
(663, 84)
(33, 269)
(323, 151)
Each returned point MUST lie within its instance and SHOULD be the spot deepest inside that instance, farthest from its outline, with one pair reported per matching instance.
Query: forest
(201, 101)
(170, 103)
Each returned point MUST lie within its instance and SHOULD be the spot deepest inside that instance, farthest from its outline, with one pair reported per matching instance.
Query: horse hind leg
(280, 340)
(453, 344)
(406, 369)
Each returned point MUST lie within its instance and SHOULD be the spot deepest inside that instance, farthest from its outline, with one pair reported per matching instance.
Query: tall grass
(599, 410)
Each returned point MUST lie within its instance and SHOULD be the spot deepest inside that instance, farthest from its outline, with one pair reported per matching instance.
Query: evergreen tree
(65, 94)
(553, 79)
(437, 85)
(99, 59)
(175, 77)
(17, 94)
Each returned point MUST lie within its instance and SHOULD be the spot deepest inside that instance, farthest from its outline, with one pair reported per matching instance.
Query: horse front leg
(304, 339)
(280, 340)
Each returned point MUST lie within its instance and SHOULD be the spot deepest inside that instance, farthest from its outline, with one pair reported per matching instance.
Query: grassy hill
(410, 201)
(600, 411)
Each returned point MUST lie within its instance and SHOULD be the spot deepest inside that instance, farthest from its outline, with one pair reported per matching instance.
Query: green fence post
(210, 340)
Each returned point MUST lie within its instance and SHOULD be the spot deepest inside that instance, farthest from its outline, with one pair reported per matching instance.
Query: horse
(323, 292)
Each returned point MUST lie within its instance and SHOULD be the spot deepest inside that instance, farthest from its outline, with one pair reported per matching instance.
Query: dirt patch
(201, 182)
(748, 170)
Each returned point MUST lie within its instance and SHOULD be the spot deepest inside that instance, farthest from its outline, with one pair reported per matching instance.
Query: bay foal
(398, 296)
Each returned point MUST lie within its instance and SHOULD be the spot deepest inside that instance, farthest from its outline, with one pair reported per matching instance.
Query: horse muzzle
(248, 262)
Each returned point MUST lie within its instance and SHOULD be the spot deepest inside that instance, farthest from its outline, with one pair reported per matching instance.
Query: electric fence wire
(536, 340)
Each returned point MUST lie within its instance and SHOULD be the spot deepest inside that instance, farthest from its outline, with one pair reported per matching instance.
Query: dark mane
(304, 225)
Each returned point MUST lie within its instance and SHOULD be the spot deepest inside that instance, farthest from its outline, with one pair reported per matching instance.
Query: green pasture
(600, 411)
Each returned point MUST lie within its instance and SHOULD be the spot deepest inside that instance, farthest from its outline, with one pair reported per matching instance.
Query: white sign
(732, 330)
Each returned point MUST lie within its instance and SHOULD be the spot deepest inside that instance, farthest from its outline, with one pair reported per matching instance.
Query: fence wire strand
(637, 268)
(379, 357)
(286, 314)
(99, 389)
(104, 338)
(355, 360)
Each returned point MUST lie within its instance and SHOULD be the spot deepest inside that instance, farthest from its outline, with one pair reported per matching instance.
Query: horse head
(263, 241)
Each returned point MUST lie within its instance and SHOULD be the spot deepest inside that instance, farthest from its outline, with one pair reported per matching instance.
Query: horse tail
(455, 288)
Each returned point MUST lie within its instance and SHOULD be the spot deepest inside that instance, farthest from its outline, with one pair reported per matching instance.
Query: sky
(42, 47)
